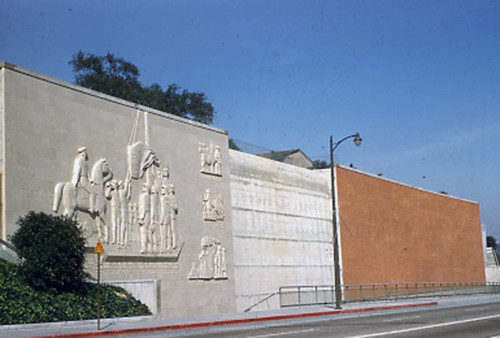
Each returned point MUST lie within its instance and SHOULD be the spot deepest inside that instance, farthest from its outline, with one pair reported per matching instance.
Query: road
(467, 321)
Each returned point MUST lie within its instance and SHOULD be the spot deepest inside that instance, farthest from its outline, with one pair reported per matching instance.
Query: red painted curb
(232, 322)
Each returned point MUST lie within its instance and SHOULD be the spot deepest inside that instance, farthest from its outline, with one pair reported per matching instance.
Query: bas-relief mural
(136, 222)
(213, 206)
(211, 261)
(85, 193)
(210, 158)
(136, 215)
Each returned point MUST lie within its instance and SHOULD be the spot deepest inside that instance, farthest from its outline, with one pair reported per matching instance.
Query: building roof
(294, 157)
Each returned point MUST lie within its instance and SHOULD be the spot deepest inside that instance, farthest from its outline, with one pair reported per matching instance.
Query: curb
(175, 327)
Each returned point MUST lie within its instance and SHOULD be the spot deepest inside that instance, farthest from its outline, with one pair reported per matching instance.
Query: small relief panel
(211, 262)
(133, 216)
(213, 206)
(210, 158)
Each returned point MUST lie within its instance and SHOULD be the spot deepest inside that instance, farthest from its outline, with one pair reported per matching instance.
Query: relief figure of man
(111, 193)
(172, 213)
(124, 194)
(80, 177)
(144, 217)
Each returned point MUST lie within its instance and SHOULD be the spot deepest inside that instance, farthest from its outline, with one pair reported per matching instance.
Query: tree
(318, 164)
(491, 242)
(115, 76)
(233, 145)
(52, 252)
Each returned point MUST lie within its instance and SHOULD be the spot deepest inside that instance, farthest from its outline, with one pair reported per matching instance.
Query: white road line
(426, 327)
(283, 333)
(401, 318)
(482, 308)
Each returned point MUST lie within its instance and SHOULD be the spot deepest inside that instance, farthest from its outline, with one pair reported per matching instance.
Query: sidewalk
(143, 325)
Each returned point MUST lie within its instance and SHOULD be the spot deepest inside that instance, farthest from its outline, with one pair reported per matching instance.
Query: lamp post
(357, 141)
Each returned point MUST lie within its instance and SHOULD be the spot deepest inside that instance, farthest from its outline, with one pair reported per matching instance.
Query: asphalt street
(475, 315)
(468, 321)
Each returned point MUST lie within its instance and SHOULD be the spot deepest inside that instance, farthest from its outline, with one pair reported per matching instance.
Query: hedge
(21, 304)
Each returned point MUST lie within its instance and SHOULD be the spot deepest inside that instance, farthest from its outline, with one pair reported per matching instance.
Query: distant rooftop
(295, 157)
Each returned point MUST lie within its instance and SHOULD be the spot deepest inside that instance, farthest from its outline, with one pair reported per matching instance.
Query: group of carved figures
(150, 220)
(213, 208)
(211, 261)
(154, 213)
(157, 210)
(211, 159)
(212, 258)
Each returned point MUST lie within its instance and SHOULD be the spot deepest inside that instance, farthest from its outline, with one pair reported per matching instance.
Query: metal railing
(292, 296)
(261, 301)
(306, 295)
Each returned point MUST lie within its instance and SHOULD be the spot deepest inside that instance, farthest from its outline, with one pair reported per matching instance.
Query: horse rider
(80, 179)
(81, 170)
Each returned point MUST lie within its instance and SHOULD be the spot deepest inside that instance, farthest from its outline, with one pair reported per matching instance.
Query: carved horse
(91, 201)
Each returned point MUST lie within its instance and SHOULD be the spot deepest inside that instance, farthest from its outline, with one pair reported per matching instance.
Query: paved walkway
(138, 325)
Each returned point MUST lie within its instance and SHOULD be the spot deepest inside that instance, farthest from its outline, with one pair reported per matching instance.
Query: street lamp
(357, 141)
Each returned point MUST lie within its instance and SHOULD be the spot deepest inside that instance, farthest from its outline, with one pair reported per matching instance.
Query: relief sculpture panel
(136, 215)
(213, 206)
(210, 158)
(211, 261)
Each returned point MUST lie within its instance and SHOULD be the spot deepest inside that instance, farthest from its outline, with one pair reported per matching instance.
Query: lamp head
(357, 140)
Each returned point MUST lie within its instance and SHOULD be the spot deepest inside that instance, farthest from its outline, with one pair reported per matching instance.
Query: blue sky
(419, 80)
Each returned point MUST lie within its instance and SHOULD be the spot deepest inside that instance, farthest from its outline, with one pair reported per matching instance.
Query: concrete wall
(491, 257)
(391, 232)
(272, 219)
(492, 270)
(45, 121)
(145, 290)
(281, 226)
(493, 274)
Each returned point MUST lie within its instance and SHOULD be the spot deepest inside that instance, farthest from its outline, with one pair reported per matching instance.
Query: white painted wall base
(147, 291)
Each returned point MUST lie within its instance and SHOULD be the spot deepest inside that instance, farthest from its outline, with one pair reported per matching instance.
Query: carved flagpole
(146, 129)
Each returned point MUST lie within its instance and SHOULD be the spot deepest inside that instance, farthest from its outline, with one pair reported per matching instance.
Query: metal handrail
(370, 284)
(304, 295)
(261, 301)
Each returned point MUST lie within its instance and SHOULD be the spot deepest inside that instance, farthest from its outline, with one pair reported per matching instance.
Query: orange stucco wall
(392, 233)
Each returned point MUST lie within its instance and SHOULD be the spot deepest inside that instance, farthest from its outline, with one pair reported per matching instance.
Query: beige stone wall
(281, 226)
(47, 120)
(273, 219)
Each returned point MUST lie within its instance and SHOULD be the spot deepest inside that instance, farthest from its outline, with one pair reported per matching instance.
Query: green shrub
(52, 252)
(21, 304)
